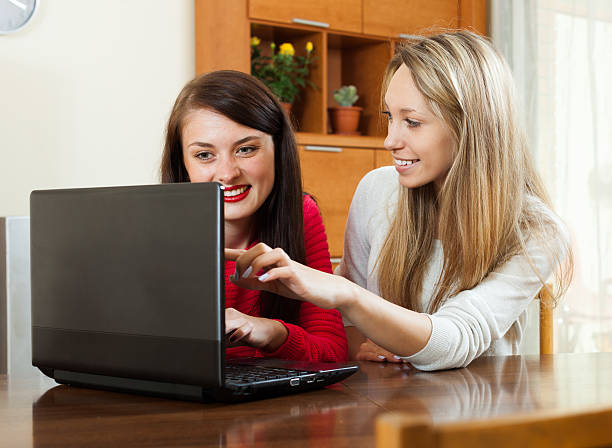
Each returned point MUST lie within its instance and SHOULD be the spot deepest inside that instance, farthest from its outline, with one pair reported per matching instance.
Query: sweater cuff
(436, 349)
(293, 348)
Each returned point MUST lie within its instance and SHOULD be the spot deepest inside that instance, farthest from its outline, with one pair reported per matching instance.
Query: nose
(227, 170)
(394, 139)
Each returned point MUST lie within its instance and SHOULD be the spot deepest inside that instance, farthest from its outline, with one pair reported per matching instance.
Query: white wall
(85, 92)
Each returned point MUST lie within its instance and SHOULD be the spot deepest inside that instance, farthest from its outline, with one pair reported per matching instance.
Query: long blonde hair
(483, 209)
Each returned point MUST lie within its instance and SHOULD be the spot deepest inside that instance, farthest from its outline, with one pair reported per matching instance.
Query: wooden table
(37, 412)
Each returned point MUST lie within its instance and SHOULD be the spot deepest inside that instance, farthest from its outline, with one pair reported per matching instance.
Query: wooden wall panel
(473, 15)
(392, 17)
(229, 48)
(342, 15)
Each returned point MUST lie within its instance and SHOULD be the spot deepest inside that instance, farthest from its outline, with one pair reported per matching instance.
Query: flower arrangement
(283, 72)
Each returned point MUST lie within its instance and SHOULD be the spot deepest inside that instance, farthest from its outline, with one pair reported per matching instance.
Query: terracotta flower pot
(345, 119)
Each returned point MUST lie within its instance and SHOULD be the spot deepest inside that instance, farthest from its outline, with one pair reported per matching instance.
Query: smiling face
(421, 143)
(217, 149)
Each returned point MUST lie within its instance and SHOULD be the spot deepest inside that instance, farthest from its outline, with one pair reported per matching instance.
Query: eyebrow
(236, 143)
(403, 109)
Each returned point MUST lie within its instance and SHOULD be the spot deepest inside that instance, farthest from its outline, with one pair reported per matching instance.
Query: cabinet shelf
(359, 61)
(306, 110)
(343, 141)
(340, 59)
(353, 47)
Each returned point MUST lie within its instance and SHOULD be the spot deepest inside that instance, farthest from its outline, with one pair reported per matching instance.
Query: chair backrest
(585, 428)
(547, 306)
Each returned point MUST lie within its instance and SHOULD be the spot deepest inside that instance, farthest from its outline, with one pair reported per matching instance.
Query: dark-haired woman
(227, 127)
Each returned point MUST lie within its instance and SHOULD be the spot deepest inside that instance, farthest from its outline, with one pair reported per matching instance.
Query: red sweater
(319, 334)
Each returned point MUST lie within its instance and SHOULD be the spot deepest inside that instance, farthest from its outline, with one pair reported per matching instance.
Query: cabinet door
(473, 15)
(339, 15)
(330, 175)
(383, 157)
(394, 18)
(221, 49)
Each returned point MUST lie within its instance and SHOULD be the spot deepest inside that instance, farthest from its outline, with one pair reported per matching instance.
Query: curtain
(560, 52)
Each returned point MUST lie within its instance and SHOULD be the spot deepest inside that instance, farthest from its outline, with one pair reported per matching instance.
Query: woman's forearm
(397, 329)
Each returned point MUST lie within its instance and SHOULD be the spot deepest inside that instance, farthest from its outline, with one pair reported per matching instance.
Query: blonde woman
(444, 251)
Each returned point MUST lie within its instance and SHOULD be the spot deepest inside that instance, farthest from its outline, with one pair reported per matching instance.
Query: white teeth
(405, 162)
(236, 192)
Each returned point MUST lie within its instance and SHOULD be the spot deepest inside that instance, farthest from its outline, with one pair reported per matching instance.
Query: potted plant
(345, 118)
(283, 72)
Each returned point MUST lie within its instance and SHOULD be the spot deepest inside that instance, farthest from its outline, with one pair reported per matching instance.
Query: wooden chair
(547, 306)
(586, 428)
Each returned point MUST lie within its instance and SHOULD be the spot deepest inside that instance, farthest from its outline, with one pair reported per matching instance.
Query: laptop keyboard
(248, 374)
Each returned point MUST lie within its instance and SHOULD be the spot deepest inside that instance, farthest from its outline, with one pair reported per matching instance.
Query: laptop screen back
(128, 281)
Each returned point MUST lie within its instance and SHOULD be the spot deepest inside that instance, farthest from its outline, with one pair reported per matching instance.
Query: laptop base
(232, 393)
(117, 384)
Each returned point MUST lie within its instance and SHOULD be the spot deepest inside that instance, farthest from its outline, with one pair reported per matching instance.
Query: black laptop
(128, 294)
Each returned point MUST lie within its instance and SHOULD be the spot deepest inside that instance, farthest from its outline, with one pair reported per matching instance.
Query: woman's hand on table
(369, 351)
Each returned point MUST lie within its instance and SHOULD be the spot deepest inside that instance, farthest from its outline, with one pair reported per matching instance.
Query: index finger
(233, 254)
(245, 258)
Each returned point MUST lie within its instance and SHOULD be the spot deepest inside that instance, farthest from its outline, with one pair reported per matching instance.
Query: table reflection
(114, 418)
(500, 388)
(341, 415)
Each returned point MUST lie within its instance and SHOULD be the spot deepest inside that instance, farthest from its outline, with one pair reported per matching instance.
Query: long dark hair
(247, 101)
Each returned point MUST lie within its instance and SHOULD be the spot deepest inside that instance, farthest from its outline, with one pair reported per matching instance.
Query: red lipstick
(236, 197)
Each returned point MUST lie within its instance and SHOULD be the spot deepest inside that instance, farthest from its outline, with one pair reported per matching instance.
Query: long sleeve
(319, 334)
(488, 316)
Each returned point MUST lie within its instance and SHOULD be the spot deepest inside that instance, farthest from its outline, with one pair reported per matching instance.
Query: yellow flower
(309, 46)
(255, 41)
(286, 49)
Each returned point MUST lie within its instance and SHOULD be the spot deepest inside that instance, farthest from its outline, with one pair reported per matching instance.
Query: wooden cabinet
(308, 109)
(354, 49)
(343, 15)
(395, 18)
(360, 61)
(331, 174)
(221, 36)
(382, 157)
(473, 15)
(340, 59)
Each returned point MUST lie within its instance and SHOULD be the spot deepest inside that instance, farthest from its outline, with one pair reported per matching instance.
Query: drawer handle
(323, 148)
(409, 36)
(335, 260)
(311, 23)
